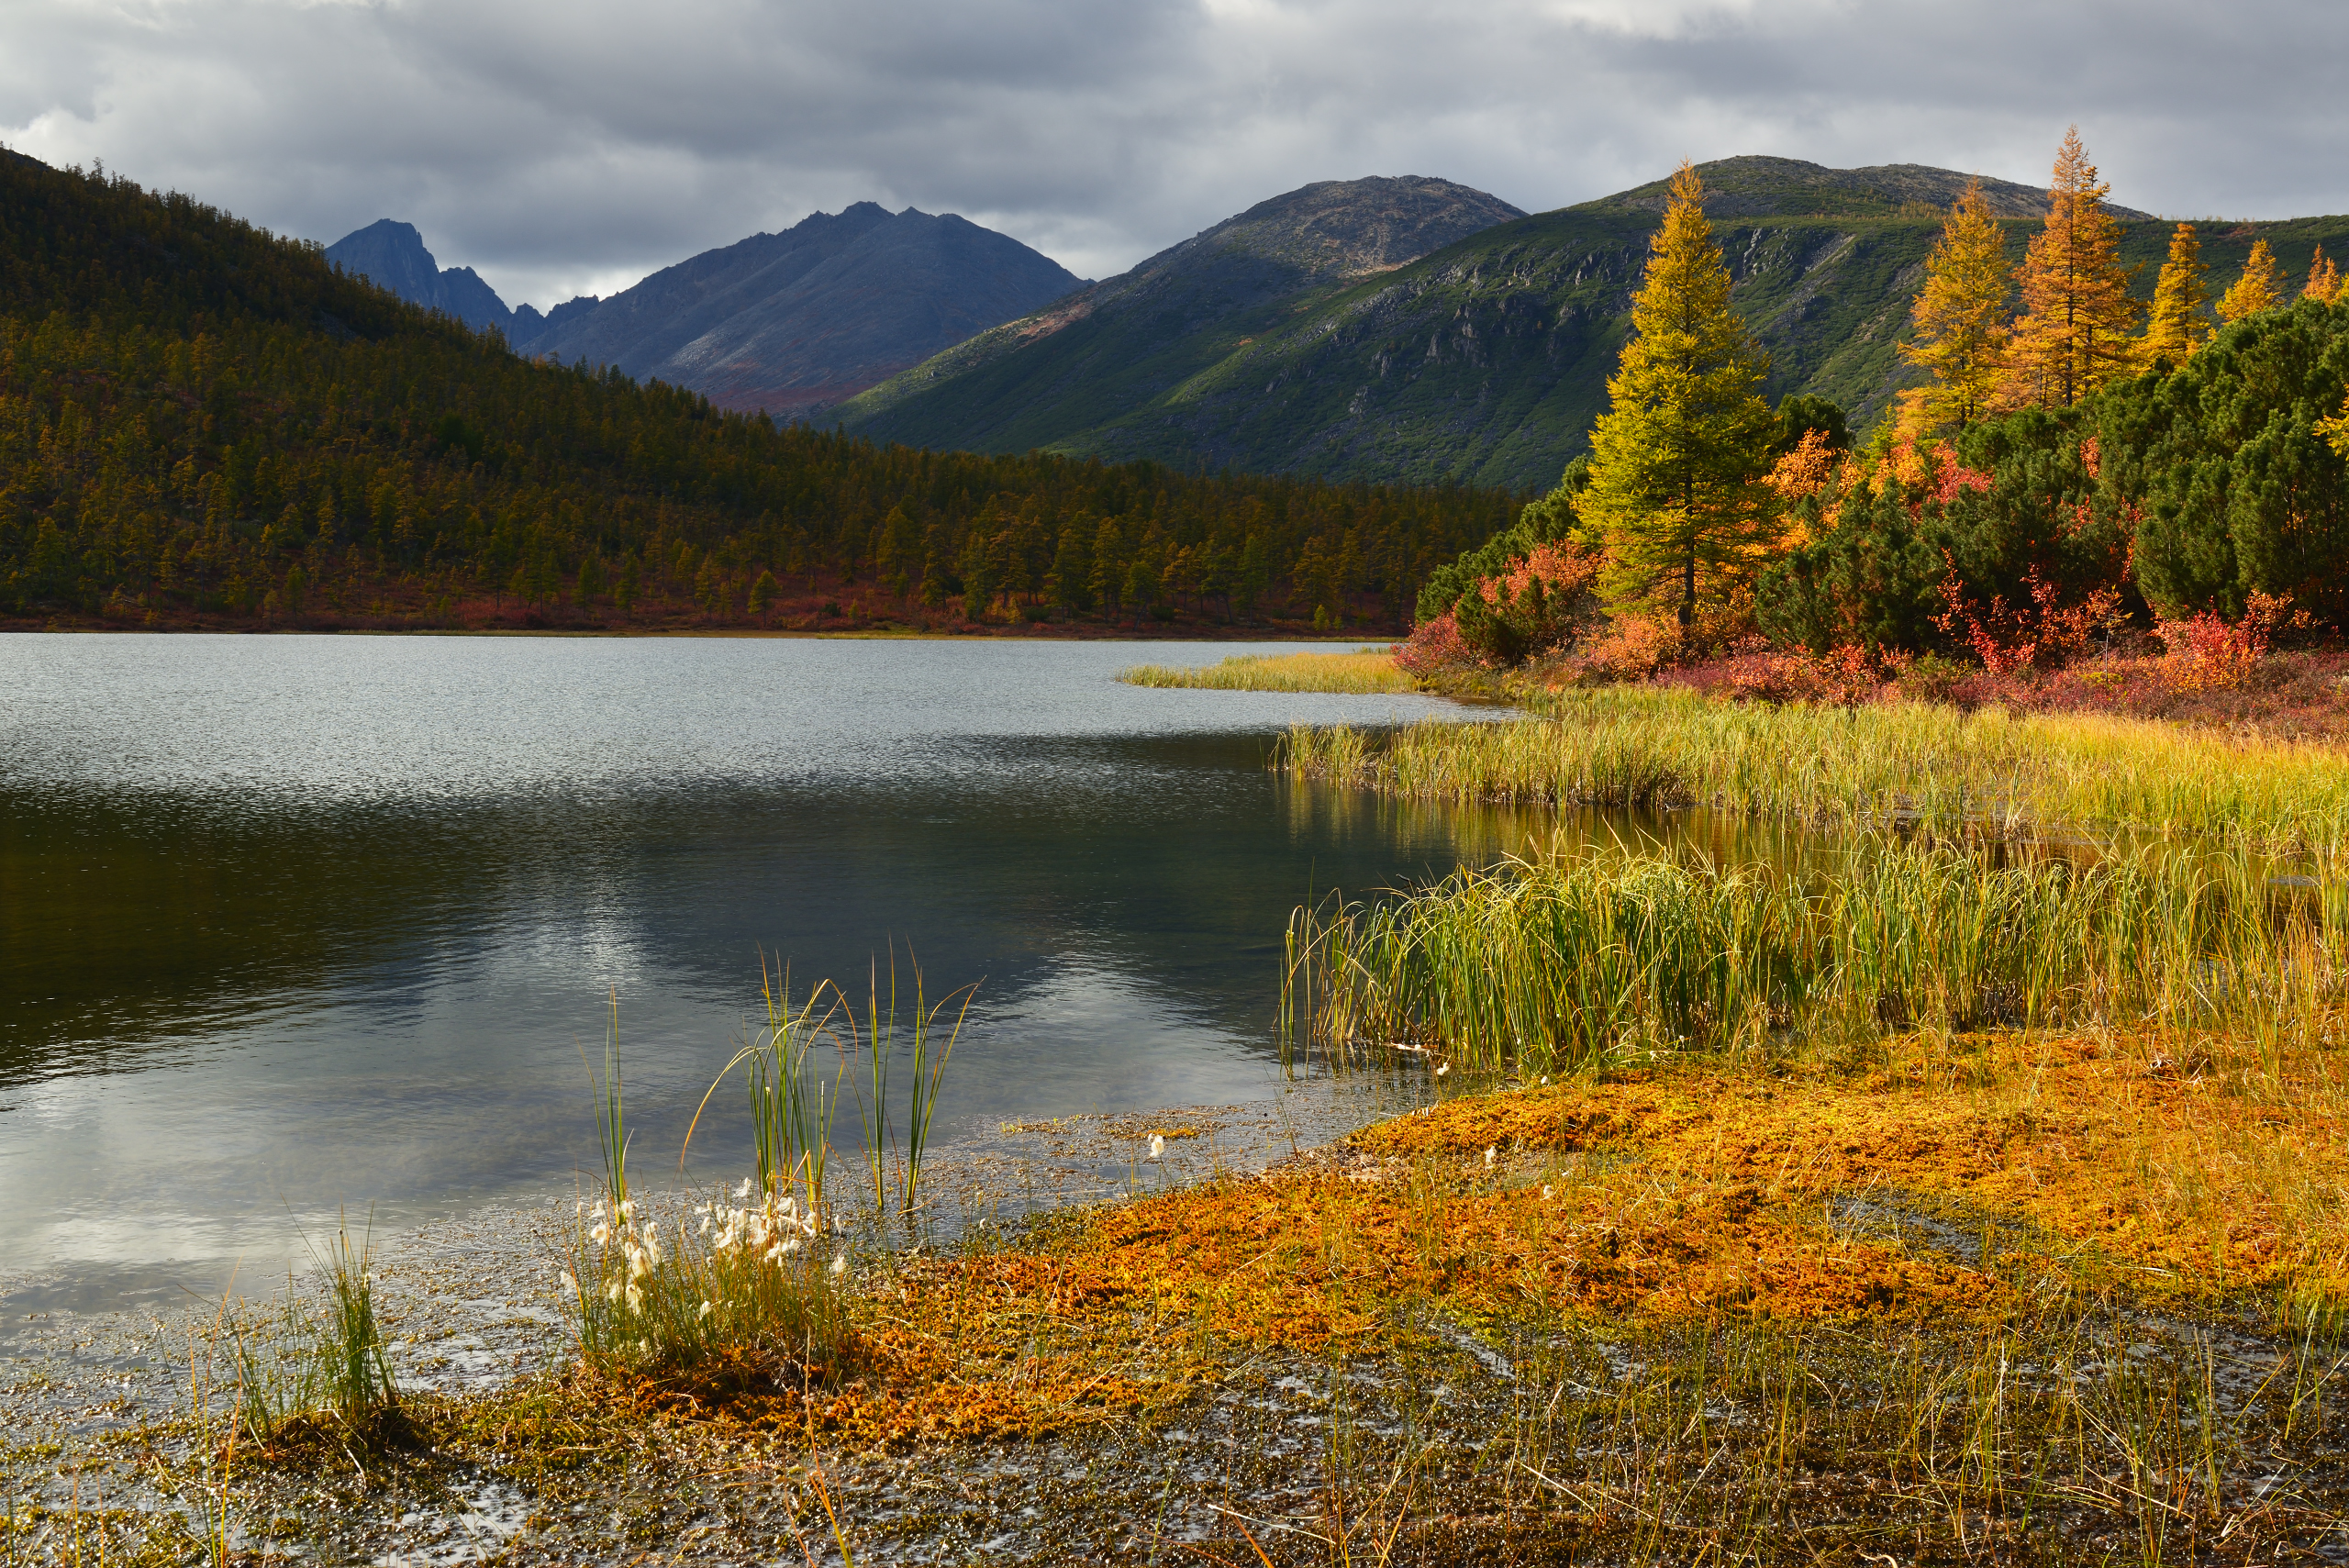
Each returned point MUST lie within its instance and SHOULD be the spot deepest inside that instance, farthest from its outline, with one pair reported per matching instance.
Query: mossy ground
(1993, 1298)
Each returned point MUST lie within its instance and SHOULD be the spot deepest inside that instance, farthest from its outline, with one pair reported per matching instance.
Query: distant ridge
(1148, 328)
(801, 319)
(788, 322)
(1485, 359)
(1756, 186)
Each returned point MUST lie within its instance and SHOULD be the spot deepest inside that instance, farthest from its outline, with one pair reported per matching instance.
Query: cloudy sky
(567, 146)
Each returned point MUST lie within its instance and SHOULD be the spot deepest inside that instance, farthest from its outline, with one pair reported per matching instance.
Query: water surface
(293, 924)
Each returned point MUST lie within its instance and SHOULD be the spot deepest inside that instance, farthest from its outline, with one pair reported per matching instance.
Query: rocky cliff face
(793, 322)
(392, 255)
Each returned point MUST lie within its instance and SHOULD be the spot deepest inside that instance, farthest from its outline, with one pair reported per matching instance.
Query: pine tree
(1961, 316)
(1677, 460)
(2077, 317)
(2179, 327)
(2261, 287)
(2324, 279)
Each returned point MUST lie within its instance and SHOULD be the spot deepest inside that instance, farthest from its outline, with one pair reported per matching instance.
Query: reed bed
(1566, 961)
(1365, 672)
(1633, 746)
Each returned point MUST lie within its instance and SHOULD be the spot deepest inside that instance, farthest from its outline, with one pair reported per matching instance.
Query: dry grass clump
(1365, 672)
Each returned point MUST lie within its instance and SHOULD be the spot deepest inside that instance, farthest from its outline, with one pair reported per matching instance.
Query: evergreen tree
(1677, 460)
(2261, 287)
(1961, 315)
(2074, 335)
(2177, 326)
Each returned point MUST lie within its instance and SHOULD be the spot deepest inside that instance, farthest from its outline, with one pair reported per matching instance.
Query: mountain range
(788, 322)
(1388, 329)
(1481, 360)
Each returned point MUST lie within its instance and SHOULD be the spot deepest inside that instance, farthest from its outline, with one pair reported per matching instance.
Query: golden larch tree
(2075, 332)
(2261, 287)
(2178, 326)
(1961, 315)
(2324, 279)
(1678, 461)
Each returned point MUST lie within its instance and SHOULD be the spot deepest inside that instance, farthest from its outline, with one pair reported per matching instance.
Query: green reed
(877, 1038)
(611, 1112)
(329, 1361)
(1990, 770)
(1561, 961)
(791, 1104)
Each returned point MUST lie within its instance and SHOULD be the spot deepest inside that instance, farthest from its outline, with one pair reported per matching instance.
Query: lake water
(290, 926)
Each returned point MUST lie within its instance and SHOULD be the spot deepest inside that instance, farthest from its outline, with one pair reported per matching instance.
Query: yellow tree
(1961, 316)
(2325, 278)
(1677, 461)
(2179, 327)
(2261, 287)
(2074, 335)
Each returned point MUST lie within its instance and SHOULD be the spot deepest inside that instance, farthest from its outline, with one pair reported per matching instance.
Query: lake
(293, 926)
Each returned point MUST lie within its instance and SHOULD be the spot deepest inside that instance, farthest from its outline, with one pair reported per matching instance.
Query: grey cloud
(556, 147)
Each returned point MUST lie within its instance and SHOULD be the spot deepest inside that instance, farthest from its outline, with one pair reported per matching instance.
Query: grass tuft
(1366, 673)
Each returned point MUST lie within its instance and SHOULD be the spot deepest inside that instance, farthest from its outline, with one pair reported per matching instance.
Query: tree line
(2074, 457)
(202, 421)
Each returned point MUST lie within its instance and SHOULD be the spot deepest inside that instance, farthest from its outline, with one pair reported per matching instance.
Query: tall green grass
(1869, 765)
(1561, 961)
(328, 1361)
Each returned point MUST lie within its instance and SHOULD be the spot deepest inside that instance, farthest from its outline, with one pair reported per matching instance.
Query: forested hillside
(202, 423)
(1487, 361)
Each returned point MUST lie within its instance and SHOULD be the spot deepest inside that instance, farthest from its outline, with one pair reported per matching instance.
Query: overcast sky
(569, 146)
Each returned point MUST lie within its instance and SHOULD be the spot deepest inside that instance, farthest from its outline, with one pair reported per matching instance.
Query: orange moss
(2181, 1172)
(1660, 1194)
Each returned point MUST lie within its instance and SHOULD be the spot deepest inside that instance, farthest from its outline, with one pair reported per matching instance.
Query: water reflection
(294, 924)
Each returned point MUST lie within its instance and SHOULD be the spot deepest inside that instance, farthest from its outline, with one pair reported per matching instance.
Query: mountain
(202, 423)
(1754, 186)
(390, 255)
(1486, 362)
(1047, 378)
(797, 320)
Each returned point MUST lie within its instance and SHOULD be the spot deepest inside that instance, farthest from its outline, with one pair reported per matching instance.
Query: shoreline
(1467, 1426)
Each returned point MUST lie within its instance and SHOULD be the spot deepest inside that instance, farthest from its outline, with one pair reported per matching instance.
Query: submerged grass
(1367, 672)
(1633, 746)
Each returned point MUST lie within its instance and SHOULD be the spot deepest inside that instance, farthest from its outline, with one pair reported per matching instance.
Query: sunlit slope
(1483, 362)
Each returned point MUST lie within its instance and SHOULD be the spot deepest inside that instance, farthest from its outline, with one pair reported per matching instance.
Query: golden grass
(1365, 672)
(1650, 746)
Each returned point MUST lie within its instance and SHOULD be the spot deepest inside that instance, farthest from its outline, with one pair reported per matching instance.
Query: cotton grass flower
(1489, 1153)
(1157, 1145)
(840, 1266)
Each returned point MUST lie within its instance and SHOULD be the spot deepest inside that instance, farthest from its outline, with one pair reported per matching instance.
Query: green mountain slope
(1487, 361)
